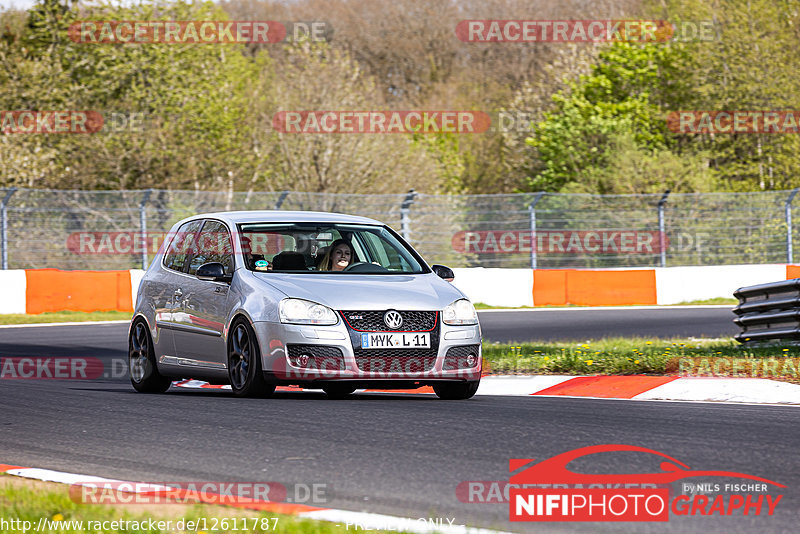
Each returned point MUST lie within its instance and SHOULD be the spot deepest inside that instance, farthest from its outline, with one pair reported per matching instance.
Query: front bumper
(281, 343)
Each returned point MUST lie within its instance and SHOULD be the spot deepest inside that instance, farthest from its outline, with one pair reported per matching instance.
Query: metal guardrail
(768, 311)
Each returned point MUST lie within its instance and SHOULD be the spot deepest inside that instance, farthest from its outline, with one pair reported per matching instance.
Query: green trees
(317, 77)
(175, 115)
(198, 116)
(608, 134)
(751, 65)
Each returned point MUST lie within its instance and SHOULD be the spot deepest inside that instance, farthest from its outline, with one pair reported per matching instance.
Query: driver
(340, 254)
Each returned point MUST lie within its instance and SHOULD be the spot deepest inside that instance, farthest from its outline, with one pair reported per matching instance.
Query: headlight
(298, 311)
(461, 312)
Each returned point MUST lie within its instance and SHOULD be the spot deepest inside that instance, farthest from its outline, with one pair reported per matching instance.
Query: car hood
(366, 292)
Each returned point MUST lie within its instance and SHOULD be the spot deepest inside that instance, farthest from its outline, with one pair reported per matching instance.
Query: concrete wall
(681, 284)
(13, 288)
(41, 290)
(497, 287)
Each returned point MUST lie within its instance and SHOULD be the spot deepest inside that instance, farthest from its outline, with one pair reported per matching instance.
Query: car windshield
(327, 248)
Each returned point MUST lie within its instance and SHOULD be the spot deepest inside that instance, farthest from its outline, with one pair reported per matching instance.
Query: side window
(182, 246)
(213, 245)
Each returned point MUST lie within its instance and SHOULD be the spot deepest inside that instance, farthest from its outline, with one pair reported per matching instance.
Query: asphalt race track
(396, 454)
(554, 324)
(393, 454)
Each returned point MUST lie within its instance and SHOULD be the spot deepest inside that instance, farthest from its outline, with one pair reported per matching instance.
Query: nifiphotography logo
(548, 491)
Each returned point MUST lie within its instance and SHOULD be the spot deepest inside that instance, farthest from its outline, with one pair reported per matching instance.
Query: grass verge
(715, 301)
(482, 306)
(628, 356)
(63, 317)
(34, 501)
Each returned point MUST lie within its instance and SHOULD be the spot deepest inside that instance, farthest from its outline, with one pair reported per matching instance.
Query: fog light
(303, 359)
(472, 360)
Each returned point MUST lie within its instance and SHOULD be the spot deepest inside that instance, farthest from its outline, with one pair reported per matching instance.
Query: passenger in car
(289, 261)
(340, 254)
(255, 262)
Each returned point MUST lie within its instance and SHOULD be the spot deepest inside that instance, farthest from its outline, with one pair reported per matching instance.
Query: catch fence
(102, 229)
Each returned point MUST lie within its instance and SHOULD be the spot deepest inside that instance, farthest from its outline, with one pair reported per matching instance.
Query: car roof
(279, 216)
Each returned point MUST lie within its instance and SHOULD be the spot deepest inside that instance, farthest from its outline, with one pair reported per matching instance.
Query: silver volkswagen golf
(257, 299)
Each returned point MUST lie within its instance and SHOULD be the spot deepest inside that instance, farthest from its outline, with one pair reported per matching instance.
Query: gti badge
(393, 319)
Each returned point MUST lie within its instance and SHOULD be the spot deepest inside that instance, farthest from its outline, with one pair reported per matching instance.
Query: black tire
(145, 377)
(458, 391)
(244, 363)
(338, 391)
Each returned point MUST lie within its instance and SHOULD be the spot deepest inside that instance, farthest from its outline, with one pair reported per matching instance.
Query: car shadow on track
(278, 395)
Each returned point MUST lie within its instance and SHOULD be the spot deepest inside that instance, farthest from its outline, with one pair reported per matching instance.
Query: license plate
(402, 340)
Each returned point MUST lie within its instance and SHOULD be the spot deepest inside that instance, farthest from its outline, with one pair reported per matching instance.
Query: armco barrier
(768, 311)
(42, 290)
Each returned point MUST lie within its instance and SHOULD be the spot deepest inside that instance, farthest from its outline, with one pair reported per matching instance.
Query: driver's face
(340, 257)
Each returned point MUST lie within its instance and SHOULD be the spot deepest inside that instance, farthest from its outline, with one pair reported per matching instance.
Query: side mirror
(213, 272)
(444, 272)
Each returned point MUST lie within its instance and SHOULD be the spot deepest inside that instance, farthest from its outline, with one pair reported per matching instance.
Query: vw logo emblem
(393, 319)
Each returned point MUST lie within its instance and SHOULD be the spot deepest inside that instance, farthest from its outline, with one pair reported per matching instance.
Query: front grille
(372, 321)
(321, 357)
(396, 360)
(456, 357)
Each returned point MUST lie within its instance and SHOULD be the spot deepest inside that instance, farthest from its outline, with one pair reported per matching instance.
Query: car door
(162, 289)
(203, 310)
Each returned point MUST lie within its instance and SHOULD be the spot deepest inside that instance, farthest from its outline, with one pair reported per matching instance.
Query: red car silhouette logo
(554, 470)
